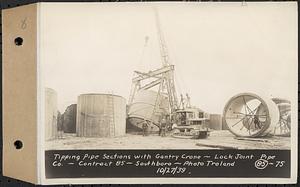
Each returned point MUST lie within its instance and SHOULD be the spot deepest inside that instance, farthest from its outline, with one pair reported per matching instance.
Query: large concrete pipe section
(143, 108)
(283, 127)
(251, 115)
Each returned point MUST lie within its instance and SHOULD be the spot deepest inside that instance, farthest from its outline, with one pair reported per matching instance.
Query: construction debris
(215, 146)
(251, 139)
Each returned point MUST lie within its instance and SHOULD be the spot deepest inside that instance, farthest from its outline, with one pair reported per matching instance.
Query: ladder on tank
(111, 108)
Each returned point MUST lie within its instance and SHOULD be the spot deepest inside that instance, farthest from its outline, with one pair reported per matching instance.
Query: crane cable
(140, 64)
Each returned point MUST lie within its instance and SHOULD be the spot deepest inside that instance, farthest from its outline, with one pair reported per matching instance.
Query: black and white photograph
(149, 93)
(154, 91)
(168, 76)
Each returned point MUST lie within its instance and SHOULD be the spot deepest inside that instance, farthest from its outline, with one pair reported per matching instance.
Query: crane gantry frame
(164, 77)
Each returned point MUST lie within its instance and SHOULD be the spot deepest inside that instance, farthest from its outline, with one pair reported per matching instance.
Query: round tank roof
(100, 94)
(50, 90)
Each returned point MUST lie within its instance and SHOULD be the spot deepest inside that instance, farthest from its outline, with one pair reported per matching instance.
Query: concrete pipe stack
(101, 115)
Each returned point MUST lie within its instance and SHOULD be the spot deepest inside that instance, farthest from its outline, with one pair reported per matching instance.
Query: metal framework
(162, 77)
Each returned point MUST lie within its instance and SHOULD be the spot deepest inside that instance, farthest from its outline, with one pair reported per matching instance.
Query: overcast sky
(218, 49)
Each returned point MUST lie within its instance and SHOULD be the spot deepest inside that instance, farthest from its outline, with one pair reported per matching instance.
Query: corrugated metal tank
(142, 108)
(100, 115)
(50, 114)
(69, 119)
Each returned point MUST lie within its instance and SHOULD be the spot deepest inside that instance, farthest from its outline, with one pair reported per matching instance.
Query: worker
(159, 126)
(163, 127)
(168, 121)
(182, 118)
(182, 102)
(145, 128)
(188, 101)
(60, 121)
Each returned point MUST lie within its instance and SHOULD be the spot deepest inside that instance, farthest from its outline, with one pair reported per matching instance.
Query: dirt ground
(217, 140)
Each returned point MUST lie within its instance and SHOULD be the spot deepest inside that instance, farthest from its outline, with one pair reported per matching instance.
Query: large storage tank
(215, 121)
(143, 108)
(50, 114)
(69, 119)
(100, 115)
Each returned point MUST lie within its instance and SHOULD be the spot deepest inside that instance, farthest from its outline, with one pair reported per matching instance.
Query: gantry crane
(181, 113)
(162, 77)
